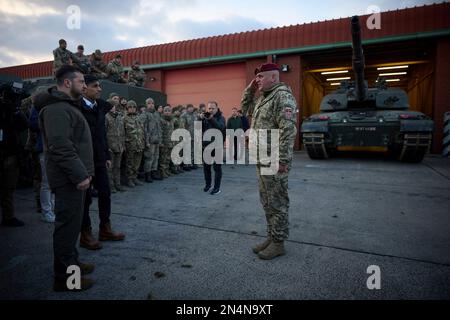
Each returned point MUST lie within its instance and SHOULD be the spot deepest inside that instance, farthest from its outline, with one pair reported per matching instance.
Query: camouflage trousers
(133, 162)
(151, 156)
(114, 172)
(273, 193)
(164, 159)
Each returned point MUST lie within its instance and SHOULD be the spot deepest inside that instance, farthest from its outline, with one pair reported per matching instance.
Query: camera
(207, 114)
(11, 92)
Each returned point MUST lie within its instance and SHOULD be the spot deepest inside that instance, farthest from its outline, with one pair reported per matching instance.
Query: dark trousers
(69, 212)
(101, 184)
(9, 173)
(217, 174)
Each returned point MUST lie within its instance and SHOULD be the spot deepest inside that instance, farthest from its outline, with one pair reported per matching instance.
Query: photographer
(212, 119)
(12, 122)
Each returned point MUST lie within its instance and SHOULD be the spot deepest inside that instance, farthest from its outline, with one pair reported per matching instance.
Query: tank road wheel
(315, 145)
(414, 148)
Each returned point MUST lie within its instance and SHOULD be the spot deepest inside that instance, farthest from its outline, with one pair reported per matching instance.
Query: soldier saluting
(275, 108)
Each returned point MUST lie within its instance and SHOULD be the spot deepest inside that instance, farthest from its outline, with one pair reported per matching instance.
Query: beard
(75, 94)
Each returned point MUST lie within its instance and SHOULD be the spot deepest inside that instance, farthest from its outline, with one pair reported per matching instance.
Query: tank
(137, 94)
(356, 117)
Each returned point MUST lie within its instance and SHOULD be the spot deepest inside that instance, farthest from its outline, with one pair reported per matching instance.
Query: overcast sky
(31, 29)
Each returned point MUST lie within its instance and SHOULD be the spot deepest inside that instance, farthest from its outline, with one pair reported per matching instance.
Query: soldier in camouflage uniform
(63, 56)
(274, 109)
(166, 147)
(134, 142)
(98, 68)
(189, 118)
(136, 76)
(115, 134)
(115, 70)
(114, 99)
(84, 64)
(178, 123)
(153, 139)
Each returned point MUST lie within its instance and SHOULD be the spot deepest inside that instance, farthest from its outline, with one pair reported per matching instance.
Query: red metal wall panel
(397, 22)
(221, 83)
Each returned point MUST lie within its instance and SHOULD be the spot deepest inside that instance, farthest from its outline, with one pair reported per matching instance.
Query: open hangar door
(222, 83)
(406, 65)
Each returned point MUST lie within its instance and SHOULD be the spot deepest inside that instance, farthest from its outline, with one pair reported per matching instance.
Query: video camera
(11, 92)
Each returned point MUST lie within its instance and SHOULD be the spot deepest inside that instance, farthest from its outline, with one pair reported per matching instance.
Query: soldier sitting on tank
(99, 68)
(136, 76)
(84, 65)
(62, 56)
(115, 70)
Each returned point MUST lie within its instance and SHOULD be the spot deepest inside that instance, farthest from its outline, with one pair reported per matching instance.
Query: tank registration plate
(365, 128)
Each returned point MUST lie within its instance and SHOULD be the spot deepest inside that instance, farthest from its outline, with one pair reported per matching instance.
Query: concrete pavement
(346, 215)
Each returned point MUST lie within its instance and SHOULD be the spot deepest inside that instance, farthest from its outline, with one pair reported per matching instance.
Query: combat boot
(138, 182)
(61, 285)
(155, 175)
(107, 234)
(88, 241)
(274, 250)
(261, 246)
(186, 168)
(148, 177)
(173, 171)
(131, 184)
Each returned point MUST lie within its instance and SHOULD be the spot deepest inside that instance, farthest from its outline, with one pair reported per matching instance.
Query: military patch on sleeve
(288, 113)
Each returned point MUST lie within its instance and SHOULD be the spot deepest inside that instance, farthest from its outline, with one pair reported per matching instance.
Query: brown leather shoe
(107, 234)
(86, 268)
(88, 241)
(61, 285)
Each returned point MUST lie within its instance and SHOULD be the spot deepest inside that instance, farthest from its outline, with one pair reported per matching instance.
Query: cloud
(31, 29)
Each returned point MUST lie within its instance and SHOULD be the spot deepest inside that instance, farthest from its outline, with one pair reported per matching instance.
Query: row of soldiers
(142, 136)
(95, 65)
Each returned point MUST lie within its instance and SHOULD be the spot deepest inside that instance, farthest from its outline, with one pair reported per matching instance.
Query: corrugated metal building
(218, 68)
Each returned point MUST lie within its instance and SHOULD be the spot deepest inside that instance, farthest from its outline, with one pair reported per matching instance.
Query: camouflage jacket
(188, 120)
(98, 65)
(167, 129)
(136, 77)
(115, 132)
(274, 109)
(177, 123)
(152, 127)
(115, 68)
(62, 57)
(134, 133)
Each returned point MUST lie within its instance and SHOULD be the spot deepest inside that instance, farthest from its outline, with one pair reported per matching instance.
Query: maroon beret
(267, 67)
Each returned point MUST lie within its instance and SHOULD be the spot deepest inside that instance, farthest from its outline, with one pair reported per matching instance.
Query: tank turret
(359, 118)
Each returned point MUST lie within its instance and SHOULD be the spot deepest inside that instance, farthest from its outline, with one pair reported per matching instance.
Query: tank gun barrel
(358, 60)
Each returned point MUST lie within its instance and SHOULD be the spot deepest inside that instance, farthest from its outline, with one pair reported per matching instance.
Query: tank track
(415, 146)
(315, 145)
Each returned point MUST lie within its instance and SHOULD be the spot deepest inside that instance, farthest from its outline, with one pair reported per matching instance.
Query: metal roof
(410, 21)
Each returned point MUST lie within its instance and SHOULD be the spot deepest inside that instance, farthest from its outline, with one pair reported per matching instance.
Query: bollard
(446, 140)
